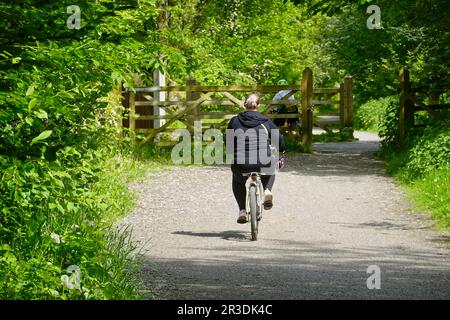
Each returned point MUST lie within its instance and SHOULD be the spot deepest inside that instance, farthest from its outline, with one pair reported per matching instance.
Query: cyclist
(251, 132)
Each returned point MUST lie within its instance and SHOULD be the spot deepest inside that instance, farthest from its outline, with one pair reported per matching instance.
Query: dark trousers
(239, 186)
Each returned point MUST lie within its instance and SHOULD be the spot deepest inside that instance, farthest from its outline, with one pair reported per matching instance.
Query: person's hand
(281, 162)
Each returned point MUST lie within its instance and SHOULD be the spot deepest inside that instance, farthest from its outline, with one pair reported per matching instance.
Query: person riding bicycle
(248, 137)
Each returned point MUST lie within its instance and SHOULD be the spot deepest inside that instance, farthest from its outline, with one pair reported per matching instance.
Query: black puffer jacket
(255, 129)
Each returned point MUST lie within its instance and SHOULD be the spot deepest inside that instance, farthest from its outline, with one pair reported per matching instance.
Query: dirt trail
(335, 213)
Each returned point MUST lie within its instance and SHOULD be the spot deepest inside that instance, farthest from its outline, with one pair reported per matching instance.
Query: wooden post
(192, 96)
(307, 113)
(132, 116)
(342, 98)
(348, 84)
(346, 102)
(406, 112)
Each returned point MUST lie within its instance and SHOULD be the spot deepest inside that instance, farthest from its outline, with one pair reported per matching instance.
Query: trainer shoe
(242, 217)
(268, 196)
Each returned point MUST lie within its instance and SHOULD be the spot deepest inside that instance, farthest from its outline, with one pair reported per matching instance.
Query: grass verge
(60, 242)
(432, 194)
(428, 192)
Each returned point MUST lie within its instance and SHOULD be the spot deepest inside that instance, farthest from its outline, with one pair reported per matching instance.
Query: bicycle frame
(254, 179)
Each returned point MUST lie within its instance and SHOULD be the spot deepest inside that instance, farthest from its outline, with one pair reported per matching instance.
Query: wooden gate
(409, 104)
(213, 106)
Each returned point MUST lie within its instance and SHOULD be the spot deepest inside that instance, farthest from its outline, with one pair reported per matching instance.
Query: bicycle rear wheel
(253, 218)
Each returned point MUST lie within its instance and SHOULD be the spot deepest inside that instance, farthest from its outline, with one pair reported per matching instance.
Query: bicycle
(254, 202)
(255, 195)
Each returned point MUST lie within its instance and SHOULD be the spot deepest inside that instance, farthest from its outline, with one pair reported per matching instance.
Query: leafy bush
(59, 192)
(423, 163)
(426, 148)
(430, 151)
(388, 129)
(372, 114)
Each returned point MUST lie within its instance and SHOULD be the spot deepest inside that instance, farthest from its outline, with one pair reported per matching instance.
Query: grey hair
(252, 101)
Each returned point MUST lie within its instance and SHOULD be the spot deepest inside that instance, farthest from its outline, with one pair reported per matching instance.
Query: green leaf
(41, 114)
(42, 136)
(5, 247)
(30, 90)
(59, 183)
(32, 103)
(5, 54)
(9, 258)
(16, 60)
(29, 120)
(60, 208)
(70, 206)
(65, 94)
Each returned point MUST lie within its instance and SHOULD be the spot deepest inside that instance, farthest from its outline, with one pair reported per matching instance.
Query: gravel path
(335, 213)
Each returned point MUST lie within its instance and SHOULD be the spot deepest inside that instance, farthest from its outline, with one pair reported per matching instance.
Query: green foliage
(423, 167)
(374, 116)
(388, 129)
(429, 151)
(226, 42)
(233, 41)
(412, 34)
(61, 179)
(55, 216)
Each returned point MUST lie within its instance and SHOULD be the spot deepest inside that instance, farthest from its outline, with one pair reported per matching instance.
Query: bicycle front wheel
(253, 213)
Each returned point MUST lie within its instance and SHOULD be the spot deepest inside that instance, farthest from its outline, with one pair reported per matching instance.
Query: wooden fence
(193, 102)
(409, 104)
